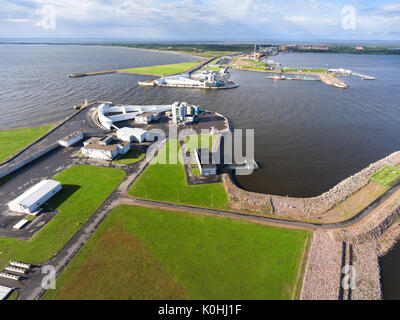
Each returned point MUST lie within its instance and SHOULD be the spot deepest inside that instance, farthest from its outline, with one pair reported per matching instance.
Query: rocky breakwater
(303, 208)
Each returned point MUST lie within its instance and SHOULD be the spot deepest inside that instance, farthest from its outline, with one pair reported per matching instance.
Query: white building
(71, 139)
(97, 151)
(99, 148)
(132, 134)
(5, 292)
(30, 201)
(147, 117)
(179, 111)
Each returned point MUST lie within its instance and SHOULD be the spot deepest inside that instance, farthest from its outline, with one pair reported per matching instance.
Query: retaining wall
(305, 207)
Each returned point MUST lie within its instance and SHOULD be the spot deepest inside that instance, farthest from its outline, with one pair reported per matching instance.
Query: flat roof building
(71, 139)
(31, 200)
(147, 117)
(132, 134)
(100, 148)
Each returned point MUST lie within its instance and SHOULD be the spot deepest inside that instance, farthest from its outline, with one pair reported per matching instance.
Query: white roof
(20, 224)
(4, 292)
(35, 193)
(132, 131)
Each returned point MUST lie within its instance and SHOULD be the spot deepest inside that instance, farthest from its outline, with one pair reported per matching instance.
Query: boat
(276, 77)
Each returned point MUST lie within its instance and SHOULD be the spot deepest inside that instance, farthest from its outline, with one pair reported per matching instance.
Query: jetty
(86, 74)
(363, 76)
(332, 81)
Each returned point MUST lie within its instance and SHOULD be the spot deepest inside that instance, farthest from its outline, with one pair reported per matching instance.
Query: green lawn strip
(167, 182)
(133, 156)
(85, 188)
(163, 70)
(13, 295)
(195, 171)
(209, 257)
(386, 176)
(13, 140)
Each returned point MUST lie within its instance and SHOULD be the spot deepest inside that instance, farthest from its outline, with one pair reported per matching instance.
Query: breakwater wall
(28, 160)
(303, 207)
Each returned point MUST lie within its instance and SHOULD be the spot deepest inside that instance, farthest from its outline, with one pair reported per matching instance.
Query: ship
(276, 77)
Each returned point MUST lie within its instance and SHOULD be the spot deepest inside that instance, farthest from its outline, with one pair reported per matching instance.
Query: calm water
(309, 136)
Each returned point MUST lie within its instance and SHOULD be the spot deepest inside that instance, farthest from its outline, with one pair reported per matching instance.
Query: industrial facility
(183, 113)
(204, 79)
(30, 201)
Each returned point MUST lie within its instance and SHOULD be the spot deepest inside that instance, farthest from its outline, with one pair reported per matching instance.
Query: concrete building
(147, 117)
(31, 200)
(103, 148)
(204, 162)
(5, 292)
(179, 111)
(132, 134)
(71, 139)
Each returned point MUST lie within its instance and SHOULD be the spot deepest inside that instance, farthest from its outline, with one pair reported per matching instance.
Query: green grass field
(13, 140)
(85, 188)
(143, 253)
(386, 176)
(163, 70)
(167, 182)
(133, 156)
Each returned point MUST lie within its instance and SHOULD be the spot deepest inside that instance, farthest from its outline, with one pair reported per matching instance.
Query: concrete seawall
(28, 160)
(303, 207)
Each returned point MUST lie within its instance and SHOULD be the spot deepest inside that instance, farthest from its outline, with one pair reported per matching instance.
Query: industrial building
(204, 160)
(5, 292)
(132, 134)
(108, 115)
(103, 148)
(71, 139)
(147, 117)
(31, 200)
(206, 79)
(183, 113)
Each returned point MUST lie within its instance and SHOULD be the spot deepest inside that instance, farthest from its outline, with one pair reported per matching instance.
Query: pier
(332, 81)
(363, 76)
(86, 74)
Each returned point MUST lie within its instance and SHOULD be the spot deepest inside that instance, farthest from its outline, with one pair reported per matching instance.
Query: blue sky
(201, 19)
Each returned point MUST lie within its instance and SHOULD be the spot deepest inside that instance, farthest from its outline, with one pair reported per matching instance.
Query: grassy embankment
(379, 183)
(143, 253)
(245, 64)
(133, 156)
(386, 176)
(85, 188)
(162, 70)
(167, 182)
(13, 140)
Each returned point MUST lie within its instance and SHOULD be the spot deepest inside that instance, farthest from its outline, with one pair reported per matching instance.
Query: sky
(201, 19)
